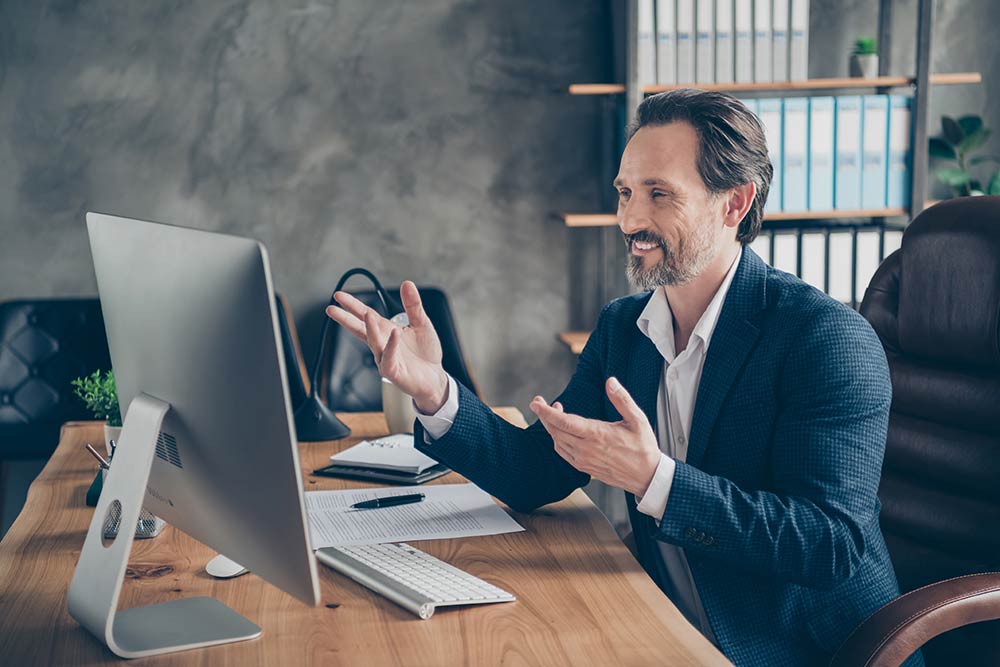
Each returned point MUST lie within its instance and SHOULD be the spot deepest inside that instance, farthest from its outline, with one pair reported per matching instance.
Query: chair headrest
(938, 297)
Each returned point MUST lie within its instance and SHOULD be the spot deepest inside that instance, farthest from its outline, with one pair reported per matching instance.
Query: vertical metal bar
(826, 260)
(854, 266)
(881, 240)
(884, 36)
(633, 87)
(798, 251)
(918, 130)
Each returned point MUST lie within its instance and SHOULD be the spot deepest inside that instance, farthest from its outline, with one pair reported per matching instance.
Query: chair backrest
(350, 378)
(935, 303)
(44, 345)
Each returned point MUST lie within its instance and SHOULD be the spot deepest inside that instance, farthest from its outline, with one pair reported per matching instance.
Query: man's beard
(678, 266)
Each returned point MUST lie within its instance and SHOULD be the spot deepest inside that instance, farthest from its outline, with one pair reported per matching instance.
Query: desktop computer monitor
(192, 324)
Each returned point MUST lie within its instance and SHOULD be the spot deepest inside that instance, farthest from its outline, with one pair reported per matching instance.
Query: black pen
(388, 501)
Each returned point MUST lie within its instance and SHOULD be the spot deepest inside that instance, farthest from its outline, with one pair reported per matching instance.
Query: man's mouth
(641, 244)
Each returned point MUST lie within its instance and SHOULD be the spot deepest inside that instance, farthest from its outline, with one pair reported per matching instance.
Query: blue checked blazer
(776, 505)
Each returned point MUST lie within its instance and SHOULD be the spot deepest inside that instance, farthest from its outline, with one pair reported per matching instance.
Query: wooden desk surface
(582, 598)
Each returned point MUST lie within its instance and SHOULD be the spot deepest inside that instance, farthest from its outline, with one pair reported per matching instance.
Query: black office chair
(349, 376)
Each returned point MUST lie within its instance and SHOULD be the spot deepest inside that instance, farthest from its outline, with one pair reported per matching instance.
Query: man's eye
(623, 194)
(659, 194)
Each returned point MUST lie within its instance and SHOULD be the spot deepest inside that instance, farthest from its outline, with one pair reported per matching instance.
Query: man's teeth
(644, 245)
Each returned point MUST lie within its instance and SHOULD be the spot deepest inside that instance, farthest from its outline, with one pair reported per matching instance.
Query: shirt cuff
(438, 424)
(654, 502)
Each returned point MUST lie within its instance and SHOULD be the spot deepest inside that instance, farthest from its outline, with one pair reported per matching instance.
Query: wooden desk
(582, 598)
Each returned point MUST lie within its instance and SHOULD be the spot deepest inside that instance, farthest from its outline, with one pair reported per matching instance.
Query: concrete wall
(427, 140)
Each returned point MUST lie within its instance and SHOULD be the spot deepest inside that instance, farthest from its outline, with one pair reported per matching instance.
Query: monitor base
(93, 594)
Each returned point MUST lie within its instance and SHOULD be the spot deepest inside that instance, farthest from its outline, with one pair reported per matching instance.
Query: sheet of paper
(449, 510)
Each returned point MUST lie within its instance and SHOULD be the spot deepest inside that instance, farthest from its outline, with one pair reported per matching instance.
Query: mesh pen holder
(148, 525)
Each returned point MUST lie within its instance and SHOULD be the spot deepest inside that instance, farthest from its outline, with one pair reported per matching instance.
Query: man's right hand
(410, 356)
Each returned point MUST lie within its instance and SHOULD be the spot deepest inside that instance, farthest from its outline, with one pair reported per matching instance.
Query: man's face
(673, 225)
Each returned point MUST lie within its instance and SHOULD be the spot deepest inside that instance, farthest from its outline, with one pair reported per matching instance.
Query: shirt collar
(656, 321)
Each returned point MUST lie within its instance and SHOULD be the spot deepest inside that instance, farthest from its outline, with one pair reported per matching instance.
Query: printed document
(449, 510)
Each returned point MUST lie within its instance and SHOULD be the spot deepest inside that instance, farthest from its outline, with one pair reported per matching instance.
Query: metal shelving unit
(880, 220)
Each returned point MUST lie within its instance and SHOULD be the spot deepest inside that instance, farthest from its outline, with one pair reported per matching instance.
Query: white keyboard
(411, 578)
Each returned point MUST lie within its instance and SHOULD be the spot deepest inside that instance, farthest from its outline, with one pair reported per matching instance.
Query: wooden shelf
(610, 219)
(810, 84)
(575, 340)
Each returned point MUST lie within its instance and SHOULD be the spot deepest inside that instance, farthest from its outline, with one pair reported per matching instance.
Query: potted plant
(864, 58)
(958, 139)
(97, 391)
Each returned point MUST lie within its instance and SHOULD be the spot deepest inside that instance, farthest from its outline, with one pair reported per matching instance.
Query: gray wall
(426, 140)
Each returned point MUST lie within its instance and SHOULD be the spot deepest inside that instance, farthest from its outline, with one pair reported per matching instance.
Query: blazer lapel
(642, 381)
(735, 335)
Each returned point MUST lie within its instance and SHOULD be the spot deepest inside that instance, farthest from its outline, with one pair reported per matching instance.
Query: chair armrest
(894, 632)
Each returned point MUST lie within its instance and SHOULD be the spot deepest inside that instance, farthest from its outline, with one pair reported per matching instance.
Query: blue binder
(847, 158)
(874, 157)
(795, 190)
(821, 148)
(898, 187)
(769, 112)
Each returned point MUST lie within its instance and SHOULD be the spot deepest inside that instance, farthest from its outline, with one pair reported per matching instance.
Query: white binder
(743, 40)
(704, 60)
(724, 41)
(647, 43)
(666, 43)
(685, 41)
(762, 41)
(798, 41)
(779, 40)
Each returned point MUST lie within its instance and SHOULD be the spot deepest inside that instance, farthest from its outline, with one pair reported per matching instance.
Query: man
(743, 412)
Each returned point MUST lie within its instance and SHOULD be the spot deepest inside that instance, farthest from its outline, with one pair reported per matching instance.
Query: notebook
(394, 452)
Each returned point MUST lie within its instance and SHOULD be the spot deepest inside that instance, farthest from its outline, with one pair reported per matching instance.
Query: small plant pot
(865, 66)
(111, 433)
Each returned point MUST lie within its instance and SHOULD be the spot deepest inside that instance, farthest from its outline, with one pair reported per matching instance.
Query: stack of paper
(395, 452)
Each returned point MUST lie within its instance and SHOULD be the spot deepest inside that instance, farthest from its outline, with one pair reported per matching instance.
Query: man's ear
(738, 202)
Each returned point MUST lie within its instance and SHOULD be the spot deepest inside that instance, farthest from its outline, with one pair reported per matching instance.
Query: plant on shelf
(864, 58)
(958, 139)
(98, 392)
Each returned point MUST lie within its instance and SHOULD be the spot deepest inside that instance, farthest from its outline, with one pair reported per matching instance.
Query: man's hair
(732, 149)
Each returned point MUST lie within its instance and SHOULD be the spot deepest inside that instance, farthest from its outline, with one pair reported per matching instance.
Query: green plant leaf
(952, 130)
(970, 124)
(940, 148)
(975, 140)
(994, 188)
(980, 159)
(864, 46)
(953, 177)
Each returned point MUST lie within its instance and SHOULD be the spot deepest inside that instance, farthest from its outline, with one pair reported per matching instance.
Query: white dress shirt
(675, 403)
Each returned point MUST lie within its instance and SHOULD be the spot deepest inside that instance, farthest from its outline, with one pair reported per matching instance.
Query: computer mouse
(221, 567)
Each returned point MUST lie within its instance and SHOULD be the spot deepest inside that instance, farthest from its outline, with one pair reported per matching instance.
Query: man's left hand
(623, 454)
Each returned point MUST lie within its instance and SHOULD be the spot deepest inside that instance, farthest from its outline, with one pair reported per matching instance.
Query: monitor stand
(93, 594)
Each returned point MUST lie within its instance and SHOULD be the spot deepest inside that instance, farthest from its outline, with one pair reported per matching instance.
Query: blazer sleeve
(813, 524)
(520, 466)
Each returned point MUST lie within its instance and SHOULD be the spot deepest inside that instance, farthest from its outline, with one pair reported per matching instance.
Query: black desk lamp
(314, 421)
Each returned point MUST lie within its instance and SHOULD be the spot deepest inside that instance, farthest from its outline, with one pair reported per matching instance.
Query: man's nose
(632, 218)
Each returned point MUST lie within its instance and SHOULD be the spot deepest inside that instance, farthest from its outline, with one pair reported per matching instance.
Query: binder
(821, 154)
(874, 158)
(840, 266)
(847, 160)
(795, 151)
(786, 253)
(685, 41)
(868, 261)
(751, 105)
(762, 246)
(724, 41)
(646, 43)
(743, 40)
(666, 43)
(704, 59)
(898, 187)
(769, 112)
(762, 41)
(779, 40)
(798, 41)
(814, 259)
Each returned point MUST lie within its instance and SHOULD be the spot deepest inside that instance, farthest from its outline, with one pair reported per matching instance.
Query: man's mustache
(643, 236)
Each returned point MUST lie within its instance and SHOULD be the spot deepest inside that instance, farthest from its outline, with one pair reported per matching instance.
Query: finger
(412, 304)
(354, 306)
(626, 406)
(391, 355)
(565, 453)
(377, 336)
(574, 424)
(353, 325)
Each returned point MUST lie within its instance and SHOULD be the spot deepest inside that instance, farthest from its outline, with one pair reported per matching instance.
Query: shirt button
(681, 440)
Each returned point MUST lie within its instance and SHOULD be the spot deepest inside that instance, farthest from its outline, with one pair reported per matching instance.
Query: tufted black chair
(349, 375)
(935, 304)
(44, 345)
